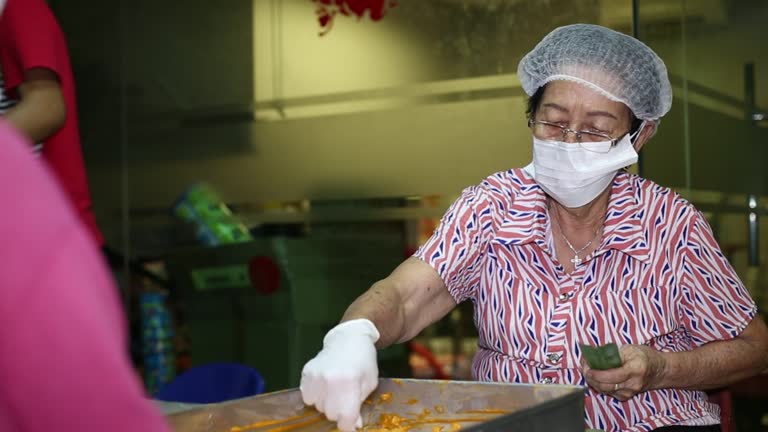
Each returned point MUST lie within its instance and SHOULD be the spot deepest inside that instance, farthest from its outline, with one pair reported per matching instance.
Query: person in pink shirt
(63, 357)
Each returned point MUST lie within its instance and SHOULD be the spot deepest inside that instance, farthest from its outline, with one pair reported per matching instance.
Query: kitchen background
(339, 149)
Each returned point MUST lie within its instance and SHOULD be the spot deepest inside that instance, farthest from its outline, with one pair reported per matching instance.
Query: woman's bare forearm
(382, 305)
(401, 305)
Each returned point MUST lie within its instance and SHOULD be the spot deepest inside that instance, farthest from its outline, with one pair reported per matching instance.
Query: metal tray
(475, 407)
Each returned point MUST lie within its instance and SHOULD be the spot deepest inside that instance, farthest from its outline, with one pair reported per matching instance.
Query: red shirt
(64, 363)
(658, 278)
(30, 38)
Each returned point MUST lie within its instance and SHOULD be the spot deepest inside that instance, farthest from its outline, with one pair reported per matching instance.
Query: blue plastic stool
(211, 383)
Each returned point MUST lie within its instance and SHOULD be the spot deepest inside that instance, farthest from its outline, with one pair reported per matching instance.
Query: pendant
(576, 260)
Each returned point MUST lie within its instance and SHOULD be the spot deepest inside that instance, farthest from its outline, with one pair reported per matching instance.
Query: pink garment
(63, 356)
(658, 278)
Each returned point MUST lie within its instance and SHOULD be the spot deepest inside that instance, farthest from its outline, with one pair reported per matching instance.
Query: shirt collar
(624, 229)
(527, 220)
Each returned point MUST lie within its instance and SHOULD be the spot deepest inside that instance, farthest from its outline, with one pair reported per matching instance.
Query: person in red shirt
(39, 96)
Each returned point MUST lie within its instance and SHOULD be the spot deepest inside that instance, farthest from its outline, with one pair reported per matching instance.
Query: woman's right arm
(397, 308)
(394, 309)
(403, 304)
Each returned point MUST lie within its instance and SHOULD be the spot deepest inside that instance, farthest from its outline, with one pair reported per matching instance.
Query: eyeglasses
(548, 130)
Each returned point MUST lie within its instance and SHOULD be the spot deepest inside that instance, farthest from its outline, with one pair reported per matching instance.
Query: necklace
(576, 260)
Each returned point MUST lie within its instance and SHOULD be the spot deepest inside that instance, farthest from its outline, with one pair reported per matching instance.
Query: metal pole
(756, 183)
(636, 19)
(636, 35)
(686, 102)
(754, 231)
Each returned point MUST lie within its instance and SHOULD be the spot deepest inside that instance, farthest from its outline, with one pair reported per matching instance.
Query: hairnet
(616, 65)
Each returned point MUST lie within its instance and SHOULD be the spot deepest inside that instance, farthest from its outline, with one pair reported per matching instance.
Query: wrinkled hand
(641, 370)
(343, 374)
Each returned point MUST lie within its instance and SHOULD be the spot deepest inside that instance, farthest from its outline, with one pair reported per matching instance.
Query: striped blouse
(658, 278)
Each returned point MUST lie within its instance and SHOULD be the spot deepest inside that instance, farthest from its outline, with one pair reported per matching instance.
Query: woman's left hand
(642, 368)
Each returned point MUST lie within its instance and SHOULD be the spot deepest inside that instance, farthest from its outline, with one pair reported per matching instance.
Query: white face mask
(575, 174)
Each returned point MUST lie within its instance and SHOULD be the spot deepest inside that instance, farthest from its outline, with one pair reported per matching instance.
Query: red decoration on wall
(327, 10)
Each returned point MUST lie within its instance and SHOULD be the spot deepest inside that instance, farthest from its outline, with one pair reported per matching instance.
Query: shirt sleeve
(457, 247)
(715, 304)
(28, 39)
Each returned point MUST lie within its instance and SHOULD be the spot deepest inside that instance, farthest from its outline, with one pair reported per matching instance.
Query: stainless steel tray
(418, 405)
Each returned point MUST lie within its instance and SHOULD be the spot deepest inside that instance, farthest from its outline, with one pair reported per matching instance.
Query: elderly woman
(570, 250)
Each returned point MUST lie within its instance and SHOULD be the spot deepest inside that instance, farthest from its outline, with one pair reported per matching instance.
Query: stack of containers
(159, 358)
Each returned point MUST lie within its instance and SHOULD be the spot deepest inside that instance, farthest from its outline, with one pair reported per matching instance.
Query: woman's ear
(646, 132)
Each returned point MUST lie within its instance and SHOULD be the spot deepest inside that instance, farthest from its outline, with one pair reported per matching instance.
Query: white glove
(343, 374)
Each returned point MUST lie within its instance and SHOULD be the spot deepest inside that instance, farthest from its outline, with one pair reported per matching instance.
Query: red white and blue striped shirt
(658, 278)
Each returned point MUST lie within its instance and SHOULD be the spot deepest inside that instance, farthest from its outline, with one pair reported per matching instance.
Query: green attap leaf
(602, 357)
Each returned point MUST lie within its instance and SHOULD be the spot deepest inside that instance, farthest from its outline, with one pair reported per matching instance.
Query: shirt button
(547, 381)
(563, 297)
(554, 358)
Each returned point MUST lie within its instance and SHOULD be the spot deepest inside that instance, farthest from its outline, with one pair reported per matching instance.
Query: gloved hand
(343, 374)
